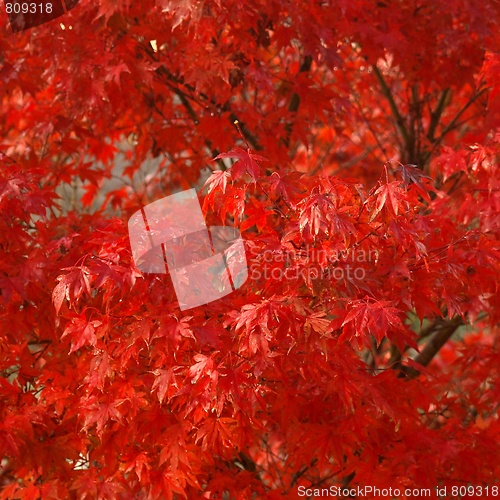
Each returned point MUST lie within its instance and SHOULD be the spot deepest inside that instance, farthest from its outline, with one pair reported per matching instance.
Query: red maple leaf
(246, 162)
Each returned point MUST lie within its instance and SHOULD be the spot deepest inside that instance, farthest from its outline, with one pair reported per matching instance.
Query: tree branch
(295, 100)
(355, 96)
(442, 331)
(454, 122)
(386, 91)
(437, 112)
(174, 82)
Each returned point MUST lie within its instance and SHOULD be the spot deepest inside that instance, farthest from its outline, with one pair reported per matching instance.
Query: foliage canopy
(363, 175)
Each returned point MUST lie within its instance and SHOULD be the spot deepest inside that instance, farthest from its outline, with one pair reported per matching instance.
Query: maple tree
(355, 146)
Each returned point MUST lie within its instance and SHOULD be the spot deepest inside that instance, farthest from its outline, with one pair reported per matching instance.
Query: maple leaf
(139, 464)
(389, 197)
(451, 161)
(370, 317)
(164, 379)
(411, 173)
(100, 369)
(109, 489)
(183, 9)
(246, 161)
(491, 72)
(115, 72)
(71, 286)
(216, 432)
(204, 366)
(100, 411)
(341, 223)
(174, 447)
(248, 317)
(281, 187)
(82, 331)
(257, 215)
(311, 219)
(316, 322)
(218, 179)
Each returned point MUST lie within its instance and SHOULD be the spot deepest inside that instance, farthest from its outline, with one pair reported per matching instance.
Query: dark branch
(294, 104)
(441, 331)
(400, 124)
(437, 112)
